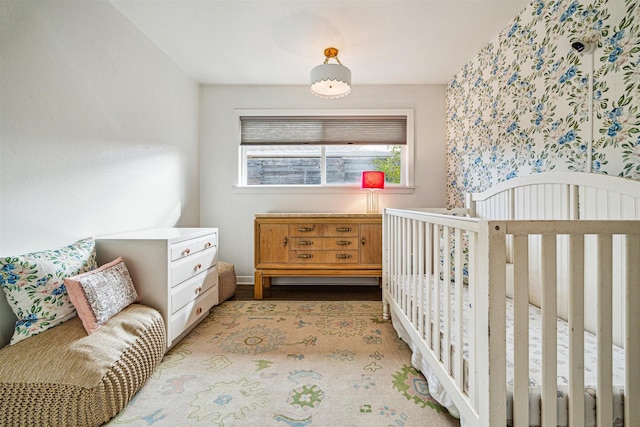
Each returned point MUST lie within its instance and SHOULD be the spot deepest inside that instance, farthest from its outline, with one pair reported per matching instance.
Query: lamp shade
(373, 179)
(330, 81)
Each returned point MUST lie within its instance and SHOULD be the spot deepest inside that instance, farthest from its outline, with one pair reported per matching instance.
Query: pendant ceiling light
(330, 80)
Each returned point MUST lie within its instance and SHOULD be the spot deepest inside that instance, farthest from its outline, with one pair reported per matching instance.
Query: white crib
(545, 270)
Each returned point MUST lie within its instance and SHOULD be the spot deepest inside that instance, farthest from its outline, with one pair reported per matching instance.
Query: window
(324, 148)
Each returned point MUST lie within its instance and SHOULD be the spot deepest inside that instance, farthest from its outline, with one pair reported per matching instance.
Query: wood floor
(312, 293)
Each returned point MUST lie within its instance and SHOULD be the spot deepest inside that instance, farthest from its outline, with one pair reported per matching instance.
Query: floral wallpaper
(523, 104)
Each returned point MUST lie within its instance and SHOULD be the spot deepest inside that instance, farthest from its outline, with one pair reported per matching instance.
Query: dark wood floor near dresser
(312, 293)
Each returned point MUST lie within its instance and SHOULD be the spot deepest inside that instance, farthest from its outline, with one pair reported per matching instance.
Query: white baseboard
(245, 280)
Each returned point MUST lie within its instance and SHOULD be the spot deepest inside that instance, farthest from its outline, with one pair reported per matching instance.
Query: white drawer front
(190, 289)
(208, 241)
(183, 249)
(188, 267)
(192, 312)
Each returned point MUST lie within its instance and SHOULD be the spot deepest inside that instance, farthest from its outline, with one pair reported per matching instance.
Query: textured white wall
(99, 129)
(233, 210)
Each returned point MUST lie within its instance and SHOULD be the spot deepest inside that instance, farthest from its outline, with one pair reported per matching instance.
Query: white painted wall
(233, 210)
(99, 129)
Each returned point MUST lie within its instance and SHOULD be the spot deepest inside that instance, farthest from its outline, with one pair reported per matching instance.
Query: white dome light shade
(330, 80)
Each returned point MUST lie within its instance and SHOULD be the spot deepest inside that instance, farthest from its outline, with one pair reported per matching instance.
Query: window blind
(323, 130)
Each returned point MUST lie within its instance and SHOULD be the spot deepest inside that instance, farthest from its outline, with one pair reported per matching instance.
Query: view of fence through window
(302, 164)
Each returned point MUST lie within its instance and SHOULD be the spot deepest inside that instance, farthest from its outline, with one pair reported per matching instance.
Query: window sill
(279, 189)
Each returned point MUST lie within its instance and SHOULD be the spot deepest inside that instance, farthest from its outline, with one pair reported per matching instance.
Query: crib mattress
(535, 368)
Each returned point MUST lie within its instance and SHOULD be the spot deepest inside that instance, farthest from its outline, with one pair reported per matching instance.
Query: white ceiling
(278, 41)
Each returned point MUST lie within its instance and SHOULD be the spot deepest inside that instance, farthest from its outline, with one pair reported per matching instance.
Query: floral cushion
(34, 285)
(100, 294)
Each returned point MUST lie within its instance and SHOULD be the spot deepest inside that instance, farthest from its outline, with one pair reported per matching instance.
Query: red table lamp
(373, 180)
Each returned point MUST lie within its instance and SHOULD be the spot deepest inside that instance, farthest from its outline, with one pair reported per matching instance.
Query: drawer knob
(343, 256)
(285, 241)
(306, 229)
(343, 229)
(199, 310)
(305, 242)
(305, 256)
(208, 245)
(343, 242)
(363, 241)
(198, 266)
(198, 290)
(186, 251)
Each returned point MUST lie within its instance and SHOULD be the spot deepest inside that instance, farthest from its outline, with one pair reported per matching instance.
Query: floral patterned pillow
(101, 294)
(34, 285)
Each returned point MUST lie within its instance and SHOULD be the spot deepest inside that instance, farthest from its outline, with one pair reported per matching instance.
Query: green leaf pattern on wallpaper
(521, 106)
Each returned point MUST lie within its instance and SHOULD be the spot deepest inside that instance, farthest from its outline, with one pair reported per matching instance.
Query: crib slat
(576, 330)
(405, 266)
(473, 348)
(437, 270)
(521, 330)
(415, 276)
(632, 343)
(493, 271)
(421, 276)
(459, 297)
(549, 331)
(430, 271)
(604, 402)
(394, 259)
(446, 309)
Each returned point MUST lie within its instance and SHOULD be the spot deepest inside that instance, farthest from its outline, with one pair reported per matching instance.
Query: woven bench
(65, 377)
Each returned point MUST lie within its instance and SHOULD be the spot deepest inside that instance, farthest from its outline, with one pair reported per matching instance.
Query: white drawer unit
(174, 270)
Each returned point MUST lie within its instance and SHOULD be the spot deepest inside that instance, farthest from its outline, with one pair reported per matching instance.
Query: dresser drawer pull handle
(343, 256)
(363, 241)
(343, 242)
(208, 245)
(199, 310)
(343, 229)
(285, 241)
(305, 256)
(186, 251)
(198, 266)
(198, 290)
(306, 229)
(305, 242)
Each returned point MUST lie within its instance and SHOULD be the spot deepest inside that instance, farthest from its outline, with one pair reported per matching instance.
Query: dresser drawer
(192, 288)
(188, 267)
(324, 257)
(190, 247)
(324, 243)
(184, 249)
(208, 241)
(190, 313)
(323, 229)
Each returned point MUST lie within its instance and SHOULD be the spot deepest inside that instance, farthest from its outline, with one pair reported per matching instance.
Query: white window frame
(407, 179)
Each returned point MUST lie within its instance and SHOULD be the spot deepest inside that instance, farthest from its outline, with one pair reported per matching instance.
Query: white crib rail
(414, 242)
(411, 256)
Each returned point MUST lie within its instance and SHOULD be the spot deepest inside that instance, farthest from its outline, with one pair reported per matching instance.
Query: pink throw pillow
(100, 294)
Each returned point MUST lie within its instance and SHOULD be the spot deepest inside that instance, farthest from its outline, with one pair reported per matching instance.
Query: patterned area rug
(255, 363)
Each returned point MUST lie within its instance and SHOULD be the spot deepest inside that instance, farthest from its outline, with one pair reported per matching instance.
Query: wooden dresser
(174, 270)
(306, 244)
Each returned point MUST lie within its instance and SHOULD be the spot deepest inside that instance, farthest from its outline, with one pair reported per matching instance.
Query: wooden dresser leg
(257, 285)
